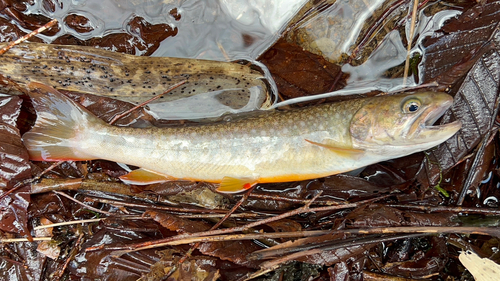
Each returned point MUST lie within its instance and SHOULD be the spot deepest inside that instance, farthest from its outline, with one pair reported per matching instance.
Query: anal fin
(143, 177)
(235, 185)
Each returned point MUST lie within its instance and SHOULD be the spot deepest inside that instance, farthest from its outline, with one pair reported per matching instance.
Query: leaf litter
(330, 203)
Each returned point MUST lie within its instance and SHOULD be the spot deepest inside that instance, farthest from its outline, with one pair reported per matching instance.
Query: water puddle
(205, 29)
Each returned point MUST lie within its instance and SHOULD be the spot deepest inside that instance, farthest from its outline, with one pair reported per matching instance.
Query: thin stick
(70, 257)
(126, 217)
(466, 210)
(250, 236)
(410, 40)
(81, 203)
(28, 36)
(146, 206)
(66, 223)
(207, 216)
(274, 264)
(119, 116)
(304, 209)
(22, 183)
(15, 240)
(219, 223)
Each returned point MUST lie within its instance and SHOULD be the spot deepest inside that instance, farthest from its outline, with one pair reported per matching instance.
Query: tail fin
(58, 121)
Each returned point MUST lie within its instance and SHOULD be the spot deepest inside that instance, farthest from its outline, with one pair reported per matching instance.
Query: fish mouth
(426, 130)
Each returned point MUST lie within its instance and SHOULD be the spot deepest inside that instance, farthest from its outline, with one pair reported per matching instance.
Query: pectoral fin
(339, 150)
(143, 177)
(234, 185)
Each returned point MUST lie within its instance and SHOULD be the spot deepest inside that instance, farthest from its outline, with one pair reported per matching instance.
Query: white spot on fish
(302, 123)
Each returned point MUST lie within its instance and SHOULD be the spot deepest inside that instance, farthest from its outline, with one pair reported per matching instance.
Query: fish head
(402, 124)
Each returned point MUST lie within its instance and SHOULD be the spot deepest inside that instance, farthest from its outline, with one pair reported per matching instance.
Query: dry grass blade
(410, 40)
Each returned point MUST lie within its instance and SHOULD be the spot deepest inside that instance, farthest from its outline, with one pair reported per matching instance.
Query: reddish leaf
(300, 73)
(14, 158)
(459, 39)
(476, 106)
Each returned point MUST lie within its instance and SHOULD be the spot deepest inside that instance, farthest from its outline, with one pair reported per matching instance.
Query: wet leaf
(458, 40)
(99, 265)
(195, 269)
(300, 73)
(377, 215)
(13, 211)
(21, 261)
(476, 106)
(234, 251)
(14, 158)
(424, 263)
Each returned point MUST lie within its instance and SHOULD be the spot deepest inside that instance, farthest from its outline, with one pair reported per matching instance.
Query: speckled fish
(273, 147)
(218, 87)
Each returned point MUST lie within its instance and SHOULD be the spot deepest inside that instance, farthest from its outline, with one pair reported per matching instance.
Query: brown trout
(274, 147)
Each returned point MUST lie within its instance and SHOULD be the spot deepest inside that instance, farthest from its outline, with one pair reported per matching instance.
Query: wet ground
(430, 206)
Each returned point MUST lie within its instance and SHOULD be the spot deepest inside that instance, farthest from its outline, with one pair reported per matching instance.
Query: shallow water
(206, 29)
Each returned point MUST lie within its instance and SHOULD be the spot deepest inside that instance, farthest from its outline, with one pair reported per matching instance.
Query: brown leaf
(375, 215)
(476, 106)
(174, 223)
(460, 37)
(14, 158)
(300, 73)
(13, 212)
(234, 251)
(423, 263)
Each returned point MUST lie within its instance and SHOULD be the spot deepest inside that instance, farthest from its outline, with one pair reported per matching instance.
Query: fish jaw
(385, 126)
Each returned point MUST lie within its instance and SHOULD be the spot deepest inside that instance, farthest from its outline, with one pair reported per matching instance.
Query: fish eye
(411, 106)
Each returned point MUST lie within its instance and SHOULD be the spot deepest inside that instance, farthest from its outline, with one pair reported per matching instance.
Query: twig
(15, 240)
(293, 200)
(304, 209)
(85, 221)
(164, 208)
(119, 116)
(66, 223)
(410, 40)
(491, 231)
(23, 183)
(81, 203)
(249, 236)
(219, 223)
(71, 256)
(28, 36)
(207, 216)
(273, 264)
(465, 210)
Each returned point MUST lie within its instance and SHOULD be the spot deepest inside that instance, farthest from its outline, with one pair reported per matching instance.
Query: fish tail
(58, 122)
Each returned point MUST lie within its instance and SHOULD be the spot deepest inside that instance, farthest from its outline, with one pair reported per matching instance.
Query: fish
(216, 88)
(277, 146)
